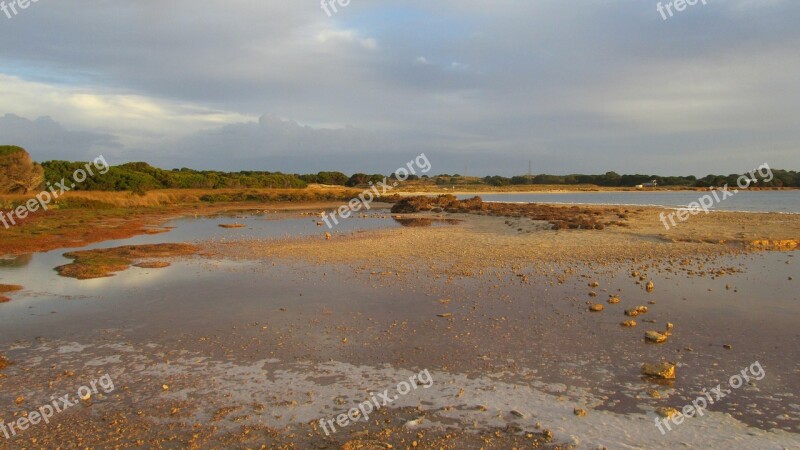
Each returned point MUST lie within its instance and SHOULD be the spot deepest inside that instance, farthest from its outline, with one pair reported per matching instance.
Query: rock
(594, 284)
(328, 236)
(597, 307)
(727, 346)
(444, 315)
(666, 411)
(579, 412)
(592, 294)
(628, 323)
(780, 245)
(636, 311)
(412, 424)
(517, 413)
(231, 225)
(650, 286)
(664, 370)
(152, 265)
(614, 300)
(655, 336)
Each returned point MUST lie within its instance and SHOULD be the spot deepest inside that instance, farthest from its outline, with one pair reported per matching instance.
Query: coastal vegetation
(19, 174)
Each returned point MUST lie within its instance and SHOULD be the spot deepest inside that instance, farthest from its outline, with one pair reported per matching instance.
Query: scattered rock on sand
(664, 370)
(777, 245)
(4, 362)
(363, 444)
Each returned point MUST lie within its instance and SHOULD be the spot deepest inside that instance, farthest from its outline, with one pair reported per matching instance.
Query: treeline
(142, 177)
(781, 178)
(340, 179)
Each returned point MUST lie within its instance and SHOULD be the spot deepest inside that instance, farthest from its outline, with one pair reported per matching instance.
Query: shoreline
(151, 221)
(548, 189)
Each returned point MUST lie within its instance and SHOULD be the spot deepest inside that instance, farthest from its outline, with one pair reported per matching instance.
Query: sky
(480, 87)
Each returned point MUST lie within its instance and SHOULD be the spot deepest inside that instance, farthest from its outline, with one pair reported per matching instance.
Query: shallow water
(746, 201)
(35, 271)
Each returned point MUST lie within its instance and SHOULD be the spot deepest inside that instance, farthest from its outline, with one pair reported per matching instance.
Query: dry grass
(170, 197)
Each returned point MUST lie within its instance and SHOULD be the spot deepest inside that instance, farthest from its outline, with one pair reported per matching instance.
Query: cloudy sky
(480, 86)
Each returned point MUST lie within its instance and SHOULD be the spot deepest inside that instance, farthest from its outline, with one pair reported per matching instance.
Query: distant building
(653, 183)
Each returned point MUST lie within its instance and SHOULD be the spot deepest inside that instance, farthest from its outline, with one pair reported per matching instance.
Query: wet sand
(258, 339)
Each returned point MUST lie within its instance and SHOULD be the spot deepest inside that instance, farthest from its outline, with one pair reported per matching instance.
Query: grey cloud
(45, 139)
(603, 85)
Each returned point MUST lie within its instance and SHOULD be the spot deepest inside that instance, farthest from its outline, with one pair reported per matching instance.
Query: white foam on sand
(282, 394)
(303, 392)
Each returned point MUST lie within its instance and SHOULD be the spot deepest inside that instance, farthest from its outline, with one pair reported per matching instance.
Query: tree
(18, 173)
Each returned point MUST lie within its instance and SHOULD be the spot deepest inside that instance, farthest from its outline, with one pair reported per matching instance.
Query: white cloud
(136, 120)
(329, 36)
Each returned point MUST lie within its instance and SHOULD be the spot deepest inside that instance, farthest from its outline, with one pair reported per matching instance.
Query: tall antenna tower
(530, 172)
